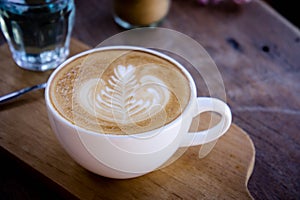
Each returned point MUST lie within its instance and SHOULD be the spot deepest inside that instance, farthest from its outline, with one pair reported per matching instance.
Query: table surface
(256, 51)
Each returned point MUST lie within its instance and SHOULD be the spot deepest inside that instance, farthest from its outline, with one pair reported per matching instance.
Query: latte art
(120, 91)
(123, 97)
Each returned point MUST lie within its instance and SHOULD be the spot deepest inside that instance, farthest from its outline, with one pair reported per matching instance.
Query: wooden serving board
(25, 132)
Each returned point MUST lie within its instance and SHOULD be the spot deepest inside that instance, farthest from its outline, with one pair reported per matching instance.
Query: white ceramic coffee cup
(128, 156)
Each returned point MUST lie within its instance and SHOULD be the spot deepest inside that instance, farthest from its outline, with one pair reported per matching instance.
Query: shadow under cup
(128, 156)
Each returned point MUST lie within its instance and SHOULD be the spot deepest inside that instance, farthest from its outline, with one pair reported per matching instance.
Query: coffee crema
(120, 91)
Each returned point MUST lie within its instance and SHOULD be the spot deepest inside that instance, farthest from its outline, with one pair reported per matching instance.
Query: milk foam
(124, 98)
(120, 92)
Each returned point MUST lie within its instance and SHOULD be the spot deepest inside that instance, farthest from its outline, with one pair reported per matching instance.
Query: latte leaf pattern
(125, 97)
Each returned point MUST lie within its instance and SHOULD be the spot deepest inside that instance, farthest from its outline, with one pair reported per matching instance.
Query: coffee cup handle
(205, 104)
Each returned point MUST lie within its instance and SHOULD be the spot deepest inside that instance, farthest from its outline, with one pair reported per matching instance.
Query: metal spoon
(15, 94)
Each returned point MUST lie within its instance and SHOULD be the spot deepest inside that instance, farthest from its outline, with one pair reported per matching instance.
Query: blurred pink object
(205, 2)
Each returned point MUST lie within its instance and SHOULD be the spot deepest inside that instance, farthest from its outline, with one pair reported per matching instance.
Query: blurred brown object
(133, 14)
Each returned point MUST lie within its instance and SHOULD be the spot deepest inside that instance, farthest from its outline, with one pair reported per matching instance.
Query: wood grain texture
(26, 134)
(256, 51)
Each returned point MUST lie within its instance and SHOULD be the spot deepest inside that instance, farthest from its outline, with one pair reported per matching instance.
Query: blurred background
(287, 9)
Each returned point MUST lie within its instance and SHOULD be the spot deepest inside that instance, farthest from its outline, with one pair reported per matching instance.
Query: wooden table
(257, 53)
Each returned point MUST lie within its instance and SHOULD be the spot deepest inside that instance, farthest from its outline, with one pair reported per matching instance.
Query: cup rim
(50, 105)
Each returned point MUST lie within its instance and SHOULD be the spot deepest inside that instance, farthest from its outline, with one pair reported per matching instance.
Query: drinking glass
(37, 31)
